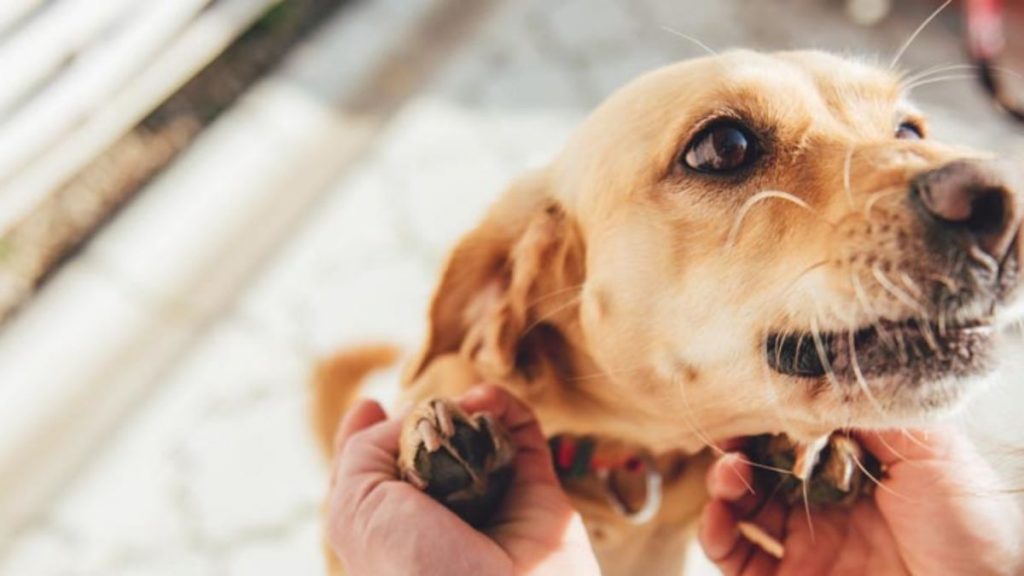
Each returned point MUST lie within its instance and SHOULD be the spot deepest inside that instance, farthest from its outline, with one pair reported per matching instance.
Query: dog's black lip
(804, 355)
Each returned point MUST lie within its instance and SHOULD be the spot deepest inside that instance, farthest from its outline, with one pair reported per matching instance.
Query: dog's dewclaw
(761, 539)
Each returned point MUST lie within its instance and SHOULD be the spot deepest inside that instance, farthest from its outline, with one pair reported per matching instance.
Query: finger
(533, 455)
(718, 534)
(893, 446)
(761, 564)
(369, 454)
(502, 405)
(730, 478)
(364, 414)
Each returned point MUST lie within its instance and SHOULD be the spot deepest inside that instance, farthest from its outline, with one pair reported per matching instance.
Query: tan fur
(336, 381)
(601, 290)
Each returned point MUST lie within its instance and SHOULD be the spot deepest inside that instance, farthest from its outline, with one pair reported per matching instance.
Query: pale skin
(380, 525)
(940, 510)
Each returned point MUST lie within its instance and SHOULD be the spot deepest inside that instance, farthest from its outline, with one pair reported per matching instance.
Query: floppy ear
(519, 269)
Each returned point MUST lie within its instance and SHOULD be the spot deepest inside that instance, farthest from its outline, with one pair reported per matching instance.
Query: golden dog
(735, 245)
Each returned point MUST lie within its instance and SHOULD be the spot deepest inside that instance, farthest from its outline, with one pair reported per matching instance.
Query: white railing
(86, 72)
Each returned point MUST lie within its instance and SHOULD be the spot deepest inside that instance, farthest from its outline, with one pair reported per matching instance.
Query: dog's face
(766, 238)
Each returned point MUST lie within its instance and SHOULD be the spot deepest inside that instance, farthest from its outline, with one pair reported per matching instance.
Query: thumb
(533, 455)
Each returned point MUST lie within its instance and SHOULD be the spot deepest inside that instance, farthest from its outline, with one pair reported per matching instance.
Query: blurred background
(200, 197)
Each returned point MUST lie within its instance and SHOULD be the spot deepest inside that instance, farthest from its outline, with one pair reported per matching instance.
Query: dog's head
(772, 241)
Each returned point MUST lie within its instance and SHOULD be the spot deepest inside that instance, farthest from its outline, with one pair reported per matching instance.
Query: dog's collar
(577, 457)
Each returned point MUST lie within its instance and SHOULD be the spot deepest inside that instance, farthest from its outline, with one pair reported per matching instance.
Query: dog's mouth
(913, 350)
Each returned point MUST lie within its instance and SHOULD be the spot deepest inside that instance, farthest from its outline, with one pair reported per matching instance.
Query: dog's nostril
(988, 211)
(970, 199)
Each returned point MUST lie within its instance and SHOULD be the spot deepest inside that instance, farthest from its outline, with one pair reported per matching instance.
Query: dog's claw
(460, 460)
(413, 477)
(444, 418)
(829, 471)
(429, 436)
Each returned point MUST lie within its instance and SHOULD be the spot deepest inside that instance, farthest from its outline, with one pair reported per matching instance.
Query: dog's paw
(463, 461)
(832, 471)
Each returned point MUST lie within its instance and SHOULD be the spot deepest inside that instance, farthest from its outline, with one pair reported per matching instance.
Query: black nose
(971, 200)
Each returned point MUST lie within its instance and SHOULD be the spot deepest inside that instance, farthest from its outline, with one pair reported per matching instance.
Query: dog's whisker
(859, 376)
(575, 300)
(807, 510)
(701, 434)
(917, 32)
(895, 290)
(877, 481)
(846, 174)
(605, 374)
(874, 198)
(910, 436)
(760, 197)
(911, 285)
(692, 39)
(819, 345)
(554, 293)
(802, 274)
(862, 297)
(924, 327)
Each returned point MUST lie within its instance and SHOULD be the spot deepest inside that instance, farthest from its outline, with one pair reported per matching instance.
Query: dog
(730, 246)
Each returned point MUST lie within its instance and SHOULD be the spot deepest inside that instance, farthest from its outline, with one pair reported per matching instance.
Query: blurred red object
(986, 24)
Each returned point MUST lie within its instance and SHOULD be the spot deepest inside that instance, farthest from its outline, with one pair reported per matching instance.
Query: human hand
(380, 525)
(940, 509)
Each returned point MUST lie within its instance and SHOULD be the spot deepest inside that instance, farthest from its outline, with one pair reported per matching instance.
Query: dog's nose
(972, 199)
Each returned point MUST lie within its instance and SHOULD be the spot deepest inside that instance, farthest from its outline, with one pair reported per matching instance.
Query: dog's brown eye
(909, 131)
(720, 148)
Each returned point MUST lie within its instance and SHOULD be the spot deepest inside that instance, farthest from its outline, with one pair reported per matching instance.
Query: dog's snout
(970, 200)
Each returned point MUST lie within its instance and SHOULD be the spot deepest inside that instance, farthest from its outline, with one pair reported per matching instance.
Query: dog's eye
(909, 131)
(719, 148)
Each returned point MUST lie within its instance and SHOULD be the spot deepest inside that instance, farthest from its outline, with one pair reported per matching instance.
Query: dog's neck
(573, 394)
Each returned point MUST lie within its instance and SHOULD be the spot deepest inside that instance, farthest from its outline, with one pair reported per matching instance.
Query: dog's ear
(521, 267)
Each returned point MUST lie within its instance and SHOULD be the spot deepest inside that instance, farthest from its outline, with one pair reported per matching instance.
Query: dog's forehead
(807, 79)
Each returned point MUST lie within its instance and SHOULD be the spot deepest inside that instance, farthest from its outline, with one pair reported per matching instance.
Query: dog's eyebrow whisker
(760, 197)
(949, 78)
(915, 80)
(934, 71)
(917, 32)
(692, 39)
(906, 77)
